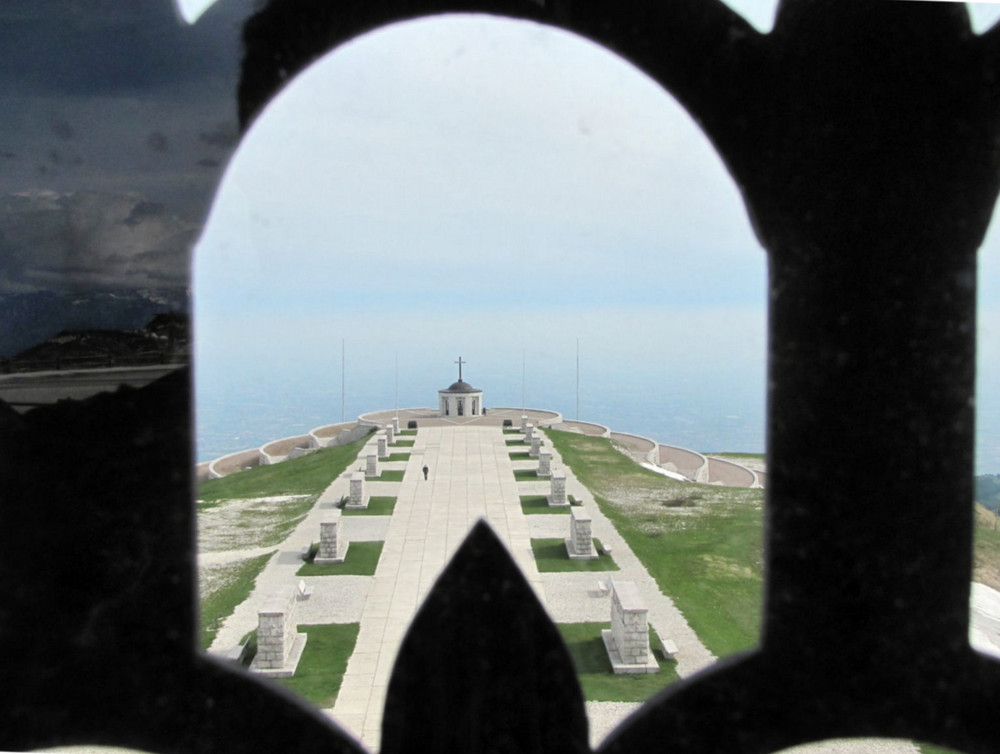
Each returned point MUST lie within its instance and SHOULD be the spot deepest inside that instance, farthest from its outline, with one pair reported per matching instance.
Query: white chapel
(460, 398)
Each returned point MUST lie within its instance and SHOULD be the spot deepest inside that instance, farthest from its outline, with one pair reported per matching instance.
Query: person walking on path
(425, 471)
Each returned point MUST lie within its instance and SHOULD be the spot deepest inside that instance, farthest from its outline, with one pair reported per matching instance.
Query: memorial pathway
(471, 477)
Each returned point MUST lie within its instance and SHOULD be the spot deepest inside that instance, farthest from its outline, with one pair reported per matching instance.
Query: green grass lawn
(233, 584)
(361, 560)
(702, 544)
(324, 661)
(987, 548)
(516, 441)
(388, 475)
(551, 557)
(523, 475)
(511, 431)
(308, 475)
(519, 455)
(539, 504)
(377, 506)
(403, 444)
(593, 668)
(408, 432)
(397, 457)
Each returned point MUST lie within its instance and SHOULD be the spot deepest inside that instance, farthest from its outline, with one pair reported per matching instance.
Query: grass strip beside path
(308, 475)
(551, 557)
(361, 560)
(539, 504)
(324, 662)
(388, 475)
(701, 543)
(377, 506)
(236, 581)
(593, 668)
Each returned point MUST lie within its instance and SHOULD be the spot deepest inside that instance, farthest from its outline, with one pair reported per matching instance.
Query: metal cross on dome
(460, 362)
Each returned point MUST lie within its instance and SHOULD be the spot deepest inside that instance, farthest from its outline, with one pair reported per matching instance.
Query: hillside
(988, 491)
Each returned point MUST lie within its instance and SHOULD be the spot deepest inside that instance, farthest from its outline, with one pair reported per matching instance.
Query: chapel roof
(461, 387)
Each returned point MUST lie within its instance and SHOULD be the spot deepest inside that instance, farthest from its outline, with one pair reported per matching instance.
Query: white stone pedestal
(580, 545)
(390, 434)
(383, 446)
(371, 466)
(279, 645)
(627, 641)
(358, 499)
(544, 463)
(557, 493)
(536, 446)
(332, 546)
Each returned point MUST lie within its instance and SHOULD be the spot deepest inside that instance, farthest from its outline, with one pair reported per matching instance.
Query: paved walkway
(471, 477)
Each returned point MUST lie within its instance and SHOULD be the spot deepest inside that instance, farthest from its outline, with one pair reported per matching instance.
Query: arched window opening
(614, 278)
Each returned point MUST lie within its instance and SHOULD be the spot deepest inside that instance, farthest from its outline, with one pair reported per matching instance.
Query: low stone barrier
(721, 471)
(689, 463)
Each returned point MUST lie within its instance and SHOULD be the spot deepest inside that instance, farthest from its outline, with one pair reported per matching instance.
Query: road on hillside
(26, 390)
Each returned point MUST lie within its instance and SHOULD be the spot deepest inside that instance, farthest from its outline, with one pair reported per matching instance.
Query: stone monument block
(557, 490)
(395, 424)
(524, 421)
(627, 641)
(279, 645)
(529, 432)
(383, 446)
(371, 467)
(544, 463)
(390, 434)
(580, 545)
(358, 499)
(332, 545)
(536, 446)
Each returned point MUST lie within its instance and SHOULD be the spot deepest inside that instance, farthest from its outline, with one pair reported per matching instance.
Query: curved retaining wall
(331, 435)
(589, 428)
(238, 461)
(549, 418)
(690, 463)
(279, 450)
(730, 474)
(638, 444)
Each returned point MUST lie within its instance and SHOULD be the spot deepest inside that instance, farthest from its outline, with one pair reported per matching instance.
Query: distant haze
(496, 190)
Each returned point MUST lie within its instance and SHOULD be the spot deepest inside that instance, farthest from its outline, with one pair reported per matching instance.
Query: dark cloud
(79, 47)
(61, 128)
(223, 136)
(88, 240)
(158, 142)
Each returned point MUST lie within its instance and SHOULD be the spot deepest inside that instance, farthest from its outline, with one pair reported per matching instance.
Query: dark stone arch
(862, 136)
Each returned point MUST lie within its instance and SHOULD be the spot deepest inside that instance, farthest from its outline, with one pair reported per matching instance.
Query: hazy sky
(456, 183)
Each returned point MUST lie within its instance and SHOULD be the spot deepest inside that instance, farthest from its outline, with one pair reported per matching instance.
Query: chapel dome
(461, 387)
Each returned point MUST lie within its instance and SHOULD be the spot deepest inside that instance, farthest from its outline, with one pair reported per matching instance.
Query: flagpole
(578, 379)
